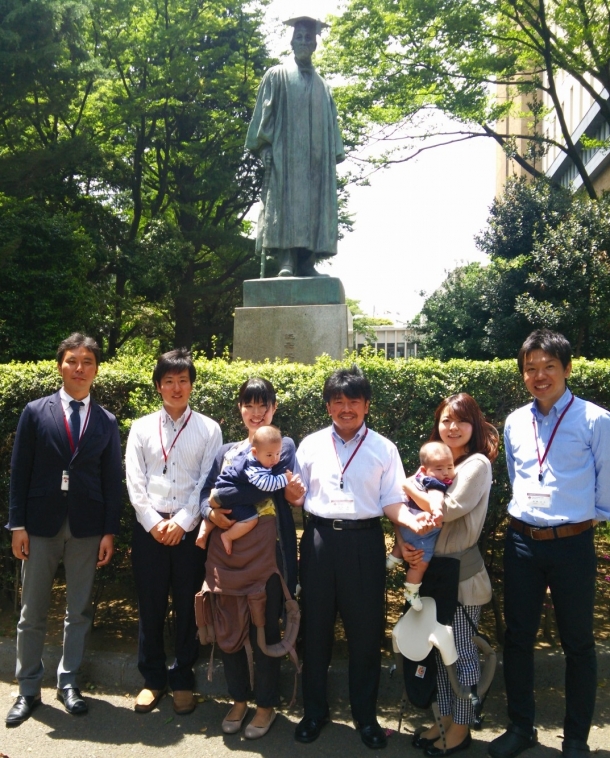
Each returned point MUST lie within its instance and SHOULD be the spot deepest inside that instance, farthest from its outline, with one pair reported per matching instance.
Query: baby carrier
(233, 596)
(418, 633)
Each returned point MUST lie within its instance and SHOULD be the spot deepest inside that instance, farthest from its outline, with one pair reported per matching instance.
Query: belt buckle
(539, 533)
(335, 522)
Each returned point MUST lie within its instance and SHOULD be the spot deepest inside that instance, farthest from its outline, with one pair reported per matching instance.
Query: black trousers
(567, 566)
(266, 669)
(342, 571)
(159, 569)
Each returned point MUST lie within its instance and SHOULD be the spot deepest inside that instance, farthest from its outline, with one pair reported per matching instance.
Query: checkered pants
(468, 668)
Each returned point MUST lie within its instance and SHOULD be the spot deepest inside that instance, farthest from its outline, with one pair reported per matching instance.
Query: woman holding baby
(459, 423)
(268, 550)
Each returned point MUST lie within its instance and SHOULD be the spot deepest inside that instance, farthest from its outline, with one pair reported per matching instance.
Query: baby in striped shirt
(254, 468)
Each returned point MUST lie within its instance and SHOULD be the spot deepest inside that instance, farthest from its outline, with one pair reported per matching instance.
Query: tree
(177, 101)
(549, 267)
(401, 58)
(45, 293)
(130, 120)
(569, 278)
(455, 315)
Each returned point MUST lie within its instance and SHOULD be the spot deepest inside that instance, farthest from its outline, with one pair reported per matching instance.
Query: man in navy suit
(65, 504)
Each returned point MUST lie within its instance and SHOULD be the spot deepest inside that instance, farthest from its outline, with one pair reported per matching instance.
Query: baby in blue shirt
(248, 468)
(435, 474)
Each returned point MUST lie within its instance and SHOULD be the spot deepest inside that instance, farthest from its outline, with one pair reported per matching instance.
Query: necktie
(75, 421)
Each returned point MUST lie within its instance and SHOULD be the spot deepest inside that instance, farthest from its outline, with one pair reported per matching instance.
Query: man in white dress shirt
(353, 476)
(169, 454)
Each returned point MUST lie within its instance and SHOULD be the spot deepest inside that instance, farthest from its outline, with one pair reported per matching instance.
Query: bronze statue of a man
(295, 133)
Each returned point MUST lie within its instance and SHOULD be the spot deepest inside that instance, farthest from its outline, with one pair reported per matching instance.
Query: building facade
(582, 116)
(396, 341)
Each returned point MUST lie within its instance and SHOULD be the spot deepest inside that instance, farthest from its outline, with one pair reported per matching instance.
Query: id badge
(342, 502)
(159, 485)
(65, 481)
(539, 500)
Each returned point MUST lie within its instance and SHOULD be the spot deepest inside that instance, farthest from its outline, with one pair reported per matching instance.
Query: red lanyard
(552, 437)
(73, 448)
(351, 458)
(171, 447)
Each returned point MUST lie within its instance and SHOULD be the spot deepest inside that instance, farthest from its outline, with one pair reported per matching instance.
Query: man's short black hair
(553, 343)
(175, 362)
(76, 340)
(350, 382)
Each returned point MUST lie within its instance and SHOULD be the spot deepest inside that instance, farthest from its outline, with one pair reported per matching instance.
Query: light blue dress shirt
(576, 471)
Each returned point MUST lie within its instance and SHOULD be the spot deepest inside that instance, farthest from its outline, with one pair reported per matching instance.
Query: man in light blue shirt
(558, 457)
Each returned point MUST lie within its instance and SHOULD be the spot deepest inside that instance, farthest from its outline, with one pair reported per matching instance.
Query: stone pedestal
(297, 318)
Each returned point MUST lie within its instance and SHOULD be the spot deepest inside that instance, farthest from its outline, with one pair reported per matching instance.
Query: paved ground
(111, 729)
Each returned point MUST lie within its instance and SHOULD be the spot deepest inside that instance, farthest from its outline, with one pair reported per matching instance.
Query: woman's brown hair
(463, 407)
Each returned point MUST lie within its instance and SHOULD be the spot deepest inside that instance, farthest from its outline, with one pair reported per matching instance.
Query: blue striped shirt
(262, 478)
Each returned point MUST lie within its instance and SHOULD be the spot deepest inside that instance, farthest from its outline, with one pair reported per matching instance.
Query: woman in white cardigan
(459, 423)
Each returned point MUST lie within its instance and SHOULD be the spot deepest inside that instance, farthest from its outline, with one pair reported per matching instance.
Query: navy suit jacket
(42, 452)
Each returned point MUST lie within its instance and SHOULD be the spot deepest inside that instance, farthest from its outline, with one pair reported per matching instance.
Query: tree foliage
(549, 267)
(400, 58)
(129, 121)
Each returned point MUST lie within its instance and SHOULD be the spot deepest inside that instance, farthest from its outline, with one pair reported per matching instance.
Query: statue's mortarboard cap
(307, 20)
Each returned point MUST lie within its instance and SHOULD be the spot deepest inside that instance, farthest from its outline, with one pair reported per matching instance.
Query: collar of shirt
(167, 419)
(345, 449)
(556, 410)
(66, 399)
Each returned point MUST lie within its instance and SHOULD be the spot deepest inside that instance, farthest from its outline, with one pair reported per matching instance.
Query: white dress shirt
(188, 464)
(373, 477)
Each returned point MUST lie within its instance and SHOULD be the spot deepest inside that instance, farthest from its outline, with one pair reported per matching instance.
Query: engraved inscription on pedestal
(289, 346)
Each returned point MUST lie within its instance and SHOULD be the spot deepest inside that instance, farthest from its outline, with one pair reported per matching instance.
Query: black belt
(549, 532)
(338, 524)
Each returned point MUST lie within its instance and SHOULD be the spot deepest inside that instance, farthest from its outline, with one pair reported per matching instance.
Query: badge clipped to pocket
(65, 481)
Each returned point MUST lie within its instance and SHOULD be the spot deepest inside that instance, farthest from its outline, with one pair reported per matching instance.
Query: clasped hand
(167, 532)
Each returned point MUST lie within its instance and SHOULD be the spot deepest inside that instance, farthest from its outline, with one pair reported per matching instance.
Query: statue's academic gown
(295, 114)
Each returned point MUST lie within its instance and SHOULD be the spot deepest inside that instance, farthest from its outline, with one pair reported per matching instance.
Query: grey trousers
(79, 556)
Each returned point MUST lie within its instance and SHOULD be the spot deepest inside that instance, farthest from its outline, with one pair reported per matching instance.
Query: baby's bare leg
(235, 532)
(415, 575)
(204, 533)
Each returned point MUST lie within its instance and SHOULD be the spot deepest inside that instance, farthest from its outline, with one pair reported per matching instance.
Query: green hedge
(405, 394)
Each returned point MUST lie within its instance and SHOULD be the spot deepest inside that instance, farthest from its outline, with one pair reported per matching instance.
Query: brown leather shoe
(184, 702)
(148, 699)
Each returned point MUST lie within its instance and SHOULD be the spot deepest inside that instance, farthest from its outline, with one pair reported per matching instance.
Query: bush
(405, 394)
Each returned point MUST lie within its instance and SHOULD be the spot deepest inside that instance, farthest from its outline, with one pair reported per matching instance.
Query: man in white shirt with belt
(169, 454)
(352, 475)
